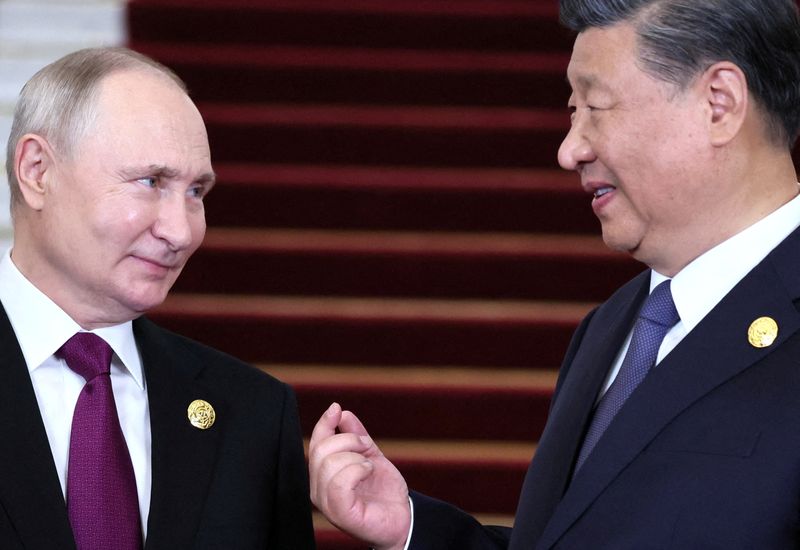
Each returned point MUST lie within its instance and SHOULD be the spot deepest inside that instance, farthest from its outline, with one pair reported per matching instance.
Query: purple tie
(657, 316)
(102, 503)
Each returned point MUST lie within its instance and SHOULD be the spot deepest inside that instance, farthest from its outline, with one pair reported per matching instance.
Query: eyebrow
(589, 81)
(207, 180)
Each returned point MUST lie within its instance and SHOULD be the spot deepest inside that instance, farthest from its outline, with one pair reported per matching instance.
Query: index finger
(349, 423)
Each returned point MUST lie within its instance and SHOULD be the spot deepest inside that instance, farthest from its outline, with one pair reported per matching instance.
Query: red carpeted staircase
(390, 229)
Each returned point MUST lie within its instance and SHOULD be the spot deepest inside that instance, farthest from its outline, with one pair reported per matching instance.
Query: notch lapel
(183, 456)
(29, 487)
(715, 351)
(550, 470)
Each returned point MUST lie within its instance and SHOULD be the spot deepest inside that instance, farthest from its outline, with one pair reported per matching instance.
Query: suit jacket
(241, 484)
(704, 454)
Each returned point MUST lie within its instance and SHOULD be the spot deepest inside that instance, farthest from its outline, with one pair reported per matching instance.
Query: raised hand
(354, 485)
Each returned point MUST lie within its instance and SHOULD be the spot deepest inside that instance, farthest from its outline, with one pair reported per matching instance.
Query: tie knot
(659, 306)
(86, 354)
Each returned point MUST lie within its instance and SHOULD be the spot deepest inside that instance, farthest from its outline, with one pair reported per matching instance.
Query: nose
(175, 222)
(575, 150)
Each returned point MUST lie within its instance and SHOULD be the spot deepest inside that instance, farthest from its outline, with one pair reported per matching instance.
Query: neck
(757, 186)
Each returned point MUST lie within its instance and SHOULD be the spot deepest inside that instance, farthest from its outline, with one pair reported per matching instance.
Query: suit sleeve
(440, 526)
(292, 528)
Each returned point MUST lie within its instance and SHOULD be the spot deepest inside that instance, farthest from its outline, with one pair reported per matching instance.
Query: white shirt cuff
(411, 527)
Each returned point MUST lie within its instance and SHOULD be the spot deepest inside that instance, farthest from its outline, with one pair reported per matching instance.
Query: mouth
(599, 192)
(157, 264)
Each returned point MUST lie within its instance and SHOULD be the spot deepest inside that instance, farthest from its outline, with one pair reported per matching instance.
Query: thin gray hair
(59, 102)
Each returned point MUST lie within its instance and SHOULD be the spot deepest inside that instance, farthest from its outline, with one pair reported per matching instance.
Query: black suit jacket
(241, 484)
(704, 454)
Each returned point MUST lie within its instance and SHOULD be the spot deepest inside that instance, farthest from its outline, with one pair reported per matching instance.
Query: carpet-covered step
(329, 330)
(400, 198)
(416, 136)
(480, 477)
(406, 264)
(425, 24)
(303, 74)
(330, 538)
(449, 402)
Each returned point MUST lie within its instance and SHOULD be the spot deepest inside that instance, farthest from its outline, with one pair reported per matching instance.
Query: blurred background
(390, 228)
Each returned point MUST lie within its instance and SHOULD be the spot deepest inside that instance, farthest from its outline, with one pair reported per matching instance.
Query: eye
(149, 181)
(197, 191)
(595, 108)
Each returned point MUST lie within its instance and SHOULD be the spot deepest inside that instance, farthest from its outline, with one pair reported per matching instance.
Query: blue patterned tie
(657, 316)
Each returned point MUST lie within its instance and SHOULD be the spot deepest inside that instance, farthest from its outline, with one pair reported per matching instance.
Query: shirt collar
(42, 327)
(702, 284)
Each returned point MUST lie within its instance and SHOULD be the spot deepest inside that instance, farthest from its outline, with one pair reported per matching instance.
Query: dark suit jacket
(241, 484)
(704, 454)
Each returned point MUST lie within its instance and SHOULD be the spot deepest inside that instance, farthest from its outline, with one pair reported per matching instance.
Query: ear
(34, 163)
(725, 88)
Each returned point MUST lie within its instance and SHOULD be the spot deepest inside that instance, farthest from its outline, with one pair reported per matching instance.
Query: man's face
(125, 212)
(636, 143)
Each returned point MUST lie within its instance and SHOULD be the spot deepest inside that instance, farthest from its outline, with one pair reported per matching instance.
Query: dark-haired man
(117, 434)
(675, 418)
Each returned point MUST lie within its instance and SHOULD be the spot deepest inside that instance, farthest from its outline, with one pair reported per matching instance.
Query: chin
(141, 303)
(617, 244)
(621, 240)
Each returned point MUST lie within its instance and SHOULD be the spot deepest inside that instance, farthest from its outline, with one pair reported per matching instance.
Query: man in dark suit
(683, 433)
(109, 165)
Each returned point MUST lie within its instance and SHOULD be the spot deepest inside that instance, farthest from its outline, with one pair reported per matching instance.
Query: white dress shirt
(702, 284)
(42, 328)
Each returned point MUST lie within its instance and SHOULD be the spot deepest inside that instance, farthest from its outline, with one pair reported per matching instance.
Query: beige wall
(33, 33)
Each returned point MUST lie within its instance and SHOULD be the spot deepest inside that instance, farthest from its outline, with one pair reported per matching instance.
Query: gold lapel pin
(762, 332)
(201, 414)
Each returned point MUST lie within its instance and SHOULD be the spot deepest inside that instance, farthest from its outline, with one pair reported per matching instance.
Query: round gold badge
(201, 414)
(762, 332)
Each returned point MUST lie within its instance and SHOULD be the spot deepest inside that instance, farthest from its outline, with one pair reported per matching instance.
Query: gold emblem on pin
(201, 414)
(762, 332)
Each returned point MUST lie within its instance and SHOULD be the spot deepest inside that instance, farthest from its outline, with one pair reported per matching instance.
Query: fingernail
(330, 410)
(365, 439)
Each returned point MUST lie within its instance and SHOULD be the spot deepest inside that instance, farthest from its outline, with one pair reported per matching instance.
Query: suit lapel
(716, 350)
(29, 486)
(549, 473)
(183, 456)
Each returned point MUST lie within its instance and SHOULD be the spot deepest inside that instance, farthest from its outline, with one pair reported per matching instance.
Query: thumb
(326, 425)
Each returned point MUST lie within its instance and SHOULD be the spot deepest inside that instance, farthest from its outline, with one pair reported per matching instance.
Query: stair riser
(424, 412)
(433, 31)
(213, 82)
(402, 209)
(345, 341)
(465, 146)
(331, 540)
(338, 273)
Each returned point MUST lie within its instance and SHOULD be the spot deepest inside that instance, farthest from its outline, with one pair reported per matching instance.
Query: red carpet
(390, 229)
